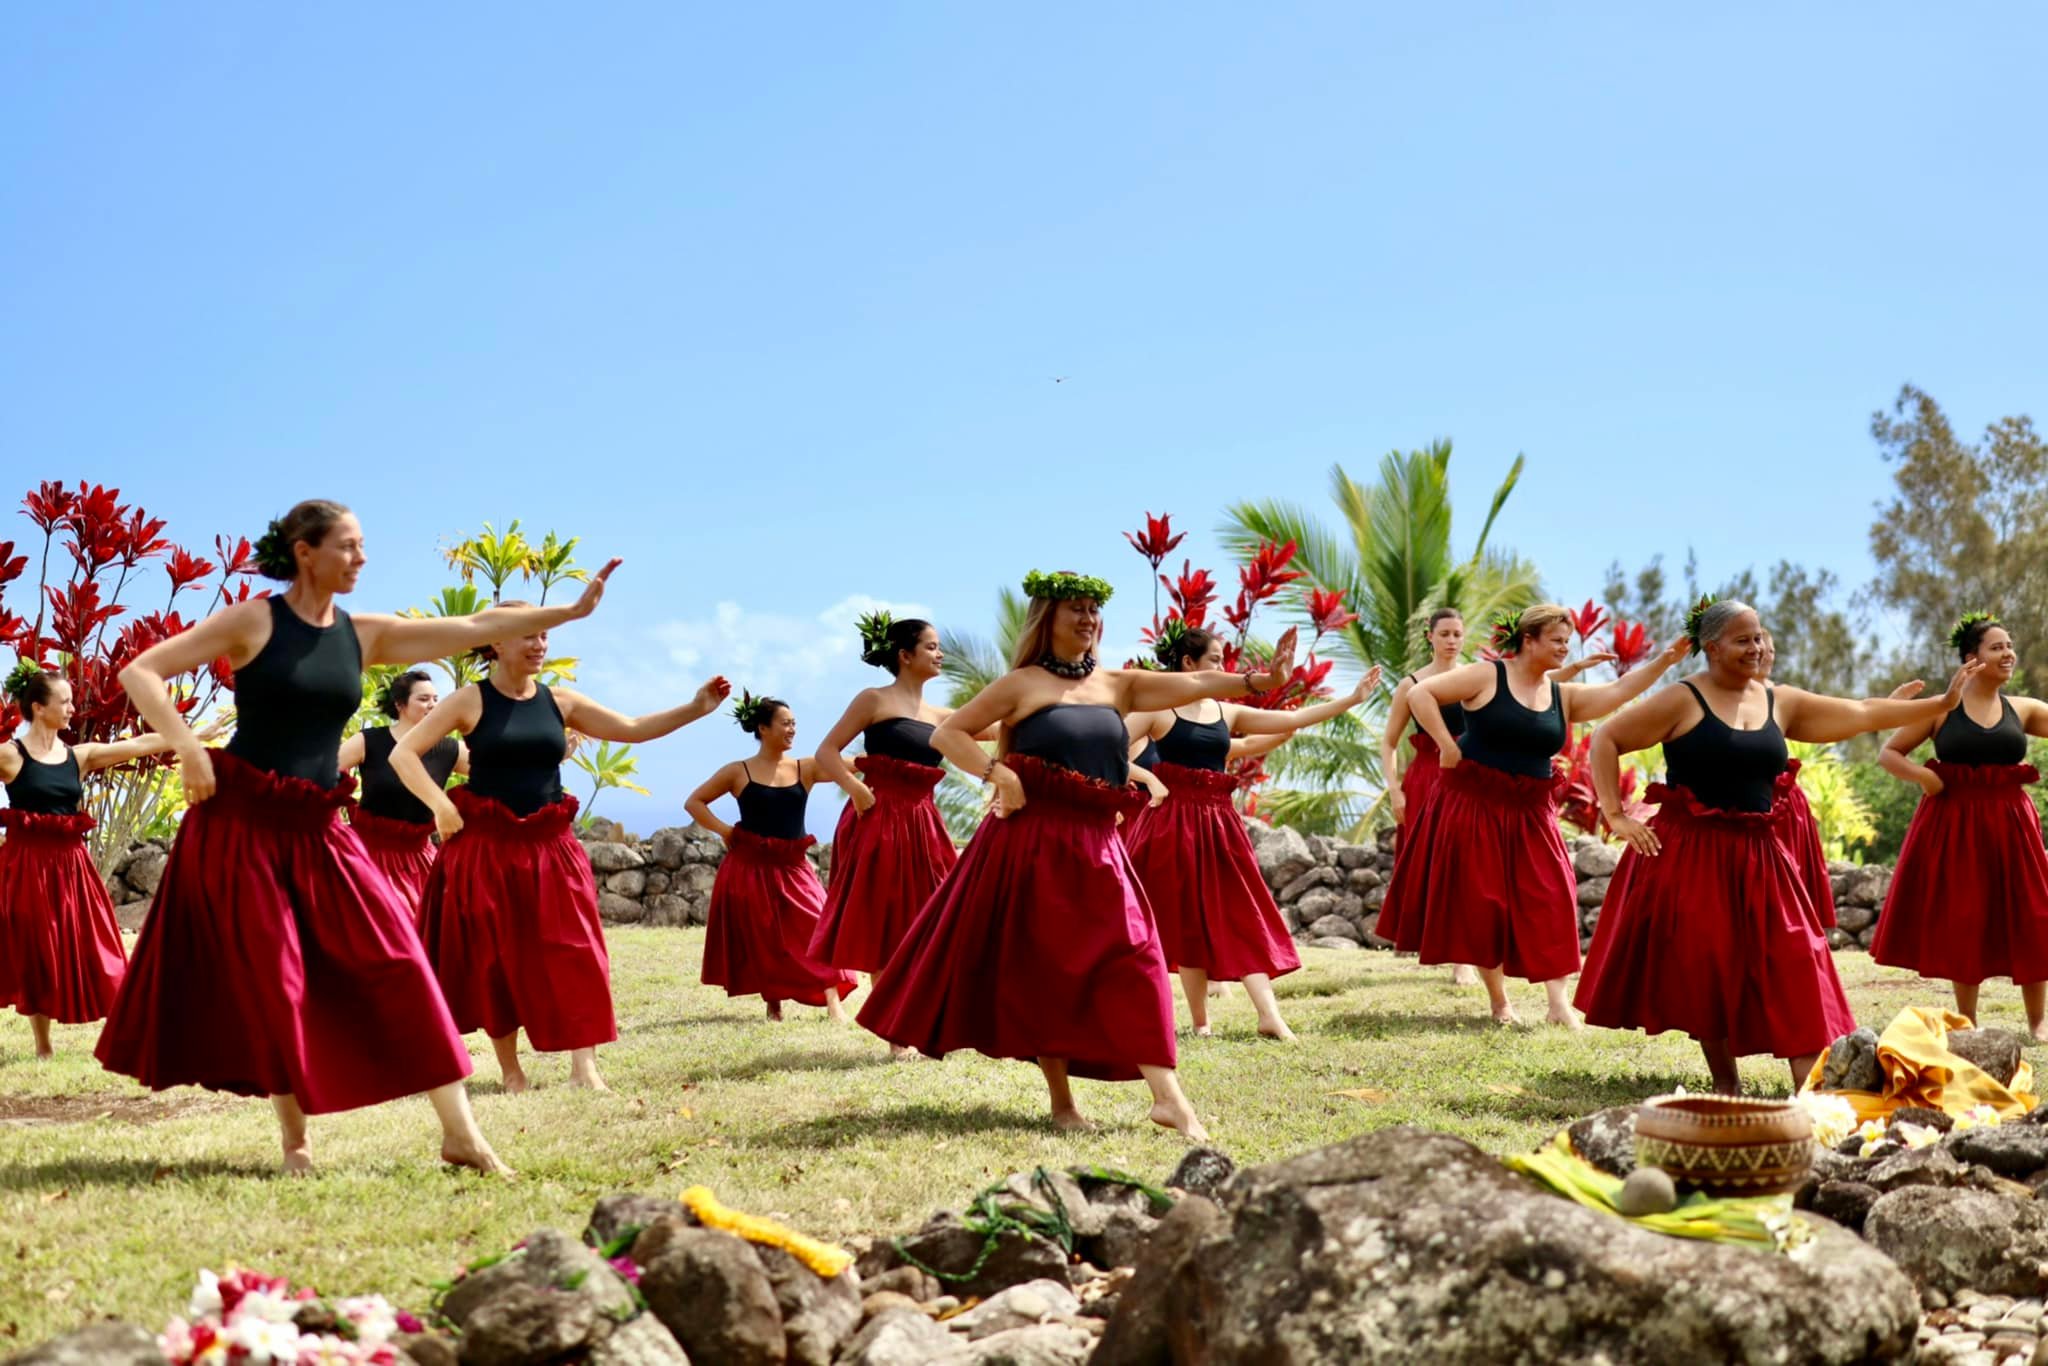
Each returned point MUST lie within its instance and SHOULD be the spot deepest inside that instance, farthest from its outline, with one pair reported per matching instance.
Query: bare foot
(903, 1053)
(775, 1011)
(1201, 1031)
(588, 1079)
(1506, 1016)
(476, 1156)
(1278, 1031)
(50, 1054)
(835, 1013)
(1569, 1020)
(1071, 1121)
(516, 1082)
(1464, 975)
(1180, 1118)
(298, 1161)
(2039, 1030)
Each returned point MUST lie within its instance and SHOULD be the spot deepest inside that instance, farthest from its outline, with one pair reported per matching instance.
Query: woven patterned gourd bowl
(1726, 1145)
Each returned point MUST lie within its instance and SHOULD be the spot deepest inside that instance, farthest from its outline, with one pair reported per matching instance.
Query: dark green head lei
(1054, 587)
(874, 631)
(1963, 625)
(1167, 643)
(272, 555)
(1506, 630)
(21, 675)
(1695, 618)
(749, 709)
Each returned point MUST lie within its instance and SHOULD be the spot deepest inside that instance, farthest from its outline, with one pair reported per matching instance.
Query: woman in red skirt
(765, 904)
(1707, 928)
(60, 950)
(1969, 898)
(1409, 789)
(1489, 881)
(395, 827)
(276, 959)
(1040, 944)
(509, 914)
(891, 849)
(1217, 919)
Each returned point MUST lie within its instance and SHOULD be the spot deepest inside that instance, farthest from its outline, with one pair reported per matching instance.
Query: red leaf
(1157, 540)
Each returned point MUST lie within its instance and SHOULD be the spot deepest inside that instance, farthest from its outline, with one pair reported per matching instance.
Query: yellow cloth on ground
(1919, 1070)
(1760, 1221)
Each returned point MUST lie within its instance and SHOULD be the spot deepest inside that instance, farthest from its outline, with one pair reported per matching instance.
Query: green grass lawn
(110, 1198)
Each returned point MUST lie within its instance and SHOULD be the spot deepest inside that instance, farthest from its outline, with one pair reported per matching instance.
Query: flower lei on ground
(246, 1316)
(825, 1259)
(1054, 587)
(874, 631)
(1963, 625)
(1695, 618)
(1506, 629)
(991, 1215)
(273, 557)
(18, 679)
(748, 709)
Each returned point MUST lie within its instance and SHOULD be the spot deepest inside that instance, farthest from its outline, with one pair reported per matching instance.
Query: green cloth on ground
(1759, 1221)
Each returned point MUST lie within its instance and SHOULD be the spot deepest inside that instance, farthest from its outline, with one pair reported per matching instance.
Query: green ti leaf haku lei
(1054, 587)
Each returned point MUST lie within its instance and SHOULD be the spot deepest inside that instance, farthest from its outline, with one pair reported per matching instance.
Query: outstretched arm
(93, 758)
(602, 723)
(1258, 721)
(1819, 719)
(1258, 746)
(1591, 701)
(1152, 690)
(388, 639)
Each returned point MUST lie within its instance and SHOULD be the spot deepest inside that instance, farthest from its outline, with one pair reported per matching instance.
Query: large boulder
(522, 1326)
(549, 1262)
(710, 1290)
(98, 1344)
(609, 856)
(1995, 1051)
(1951, 1239)
(818, 1313)
(947, 1245)
(1595, 858)
(1283, 855)
(898, 1337)
(1607, 1139)
(1405, 1245)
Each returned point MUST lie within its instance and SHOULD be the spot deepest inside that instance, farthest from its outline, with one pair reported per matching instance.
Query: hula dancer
(1217, 919)
(1040, 944)
(61, 957)
(276, 959)
(510, 912)
(1969, 898)
(1489, 881)
(1707, 928)
(765, 904)
(396, 828)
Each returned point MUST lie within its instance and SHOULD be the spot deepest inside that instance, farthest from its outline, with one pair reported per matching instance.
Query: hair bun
(19, 678)
(274, 559)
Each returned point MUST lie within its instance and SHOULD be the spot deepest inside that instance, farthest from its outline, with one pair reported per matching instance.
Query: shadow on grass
(723, 1017)
(942, 1120)
(792, 1060)
(118, 1171)
(1387, 1024)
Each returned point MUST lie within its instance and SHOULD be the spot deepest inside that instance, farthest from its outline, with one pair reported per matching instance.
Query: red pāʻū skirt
(277, 959)
(1202, 880)
(886, 863)
(1792, 820)
(1488, 881)
(763, 913)
(1040, 943)
(1420, 781)
(510, 920)
(60, 948)
(402, 850)
(1969, 898)
(1714, 937)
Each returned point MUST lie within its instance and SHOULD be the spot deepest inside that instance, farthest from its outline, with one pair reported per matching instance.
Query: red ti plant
(84, 629)
(1155, 543)
(1578, 803)
(1588, 619)
(1631, 644)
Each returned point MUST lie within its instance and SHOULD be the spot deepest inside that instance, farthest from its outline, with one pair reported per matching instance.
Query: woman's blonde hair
(1034, 638)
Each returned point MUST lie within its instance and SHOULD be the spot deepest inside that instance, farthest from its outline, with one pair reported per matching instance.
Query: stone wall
(1330, 891)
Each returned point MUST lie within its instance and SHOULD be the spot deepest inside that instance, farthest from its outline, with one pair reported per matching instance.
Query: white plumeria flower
(264, 1305)
(1833, 1117)
(1918, 1135)
(1977, 1117)
(205, 1301)
(264, 1340)
(1873, 1135)
(374, 1319)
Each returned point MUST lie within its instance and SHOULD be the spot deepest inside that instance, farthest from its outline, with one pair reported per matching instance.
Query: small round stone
(1648, 1190)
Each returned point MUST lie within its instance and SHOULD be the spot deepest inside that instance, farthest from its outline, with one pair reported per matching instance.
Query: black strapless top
(517, 748)
(1726, 768)
(1962, 741)
(46, 789)
(1087, 737)
(382, 794)
(900, 737)
(1196, 744)
(294, 697)
(1454, 714)
(776, 812)
(1508, 736)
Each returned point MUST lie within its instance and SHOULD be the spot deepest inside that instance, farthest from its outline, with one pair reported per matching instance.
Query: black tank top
(1726, 768)
(293, 698)
(1508, 736)
(382, 793)
(1196, 744)
(1454, 715)
(900, 737)
(1962, 741)
(47, 789)
(516, 750)
(1148, 757)
(1087, 737)
(776, 812)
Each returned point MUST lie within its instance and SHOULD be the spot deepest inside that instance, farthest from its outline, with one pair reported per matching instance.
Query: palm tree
(1394, 565)
(972, 663)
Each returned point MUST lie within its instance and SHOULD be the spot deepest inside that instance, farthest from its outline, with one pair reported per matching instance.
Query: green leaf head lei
(1054, 587)
(1695, 618)
(1505, 632)
(1166, 645)
(874, 631)
(1967, 623)
(749, 710)
(23, 673)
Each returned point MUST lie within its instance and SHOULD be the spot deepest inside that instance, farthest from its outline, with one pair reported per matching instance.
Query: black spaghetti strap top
(776, 812)
(47, 789)
(1508, 736)
(1196, 744)
(517, 748)
(1148, 757)
(1087, 737)
(383, 794)
(1454, 715)
(1726, 768)
(294, 697)
(1962, 741)
(901, 737)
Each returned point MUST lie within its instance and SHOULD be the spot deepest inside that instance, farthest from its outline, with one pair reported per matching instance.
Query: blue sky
(770, 300)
